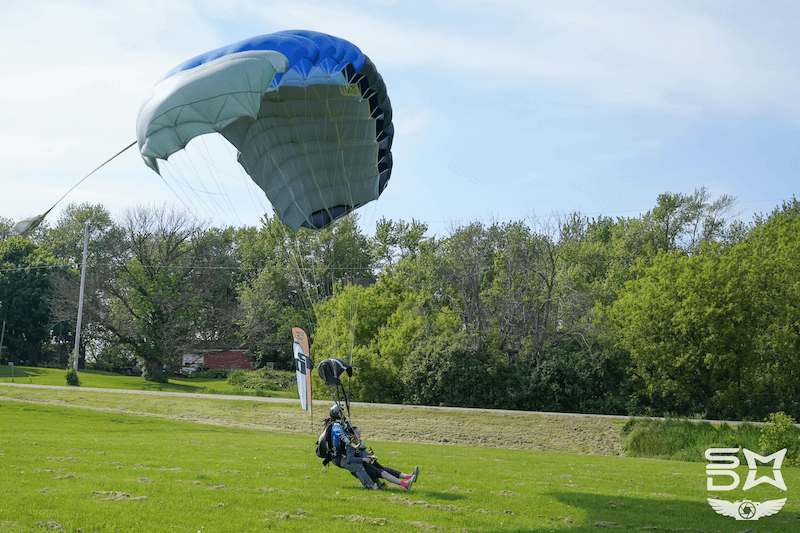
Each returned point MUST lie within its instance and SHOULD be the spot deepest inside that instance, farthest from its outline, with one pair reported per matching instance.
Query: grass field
(101, 467)
(99, 379)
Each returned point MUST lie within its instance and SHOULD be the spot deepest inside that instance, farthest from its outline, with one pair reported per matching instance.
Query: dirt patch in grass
(430, 425)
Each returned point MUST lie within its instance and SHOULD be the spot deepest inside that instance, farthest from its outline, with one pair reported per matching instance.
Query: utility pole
(80, 299)
(2, 337)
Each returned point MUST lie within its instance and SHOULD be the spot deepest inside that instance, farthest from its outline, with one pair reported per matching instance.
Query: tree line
(681, 310)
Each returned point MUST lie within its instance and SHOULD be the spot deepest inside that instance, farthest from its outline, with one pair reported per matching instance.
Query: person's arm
(354, 455)
(351, 455)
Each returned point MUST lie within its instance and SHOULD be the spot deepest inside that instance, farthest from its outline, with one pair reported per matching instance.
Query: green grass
(91, 471)
(100, 379)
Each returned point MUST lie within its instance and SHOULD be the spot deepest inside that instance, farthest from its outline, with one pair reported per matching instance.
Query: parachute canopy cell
(308, 113)
(330, 370)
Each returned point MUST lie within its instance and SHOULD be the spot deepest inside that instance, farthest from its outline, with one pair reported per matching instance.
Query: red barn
(230, 360)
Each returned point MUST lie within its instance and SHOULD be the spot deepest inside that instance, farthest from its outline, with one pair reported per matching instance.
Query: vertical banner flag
(303, 365)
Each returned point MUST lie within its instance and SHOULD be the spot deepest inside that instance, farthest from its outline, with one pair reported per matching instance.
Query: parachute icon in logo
(723, 464)
(747, 509)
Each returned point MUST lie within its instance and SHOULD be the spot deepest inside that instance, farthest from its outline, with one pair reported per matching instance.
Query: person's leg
(360, 473)
(405, 483)
(392, 471)
(372, 471)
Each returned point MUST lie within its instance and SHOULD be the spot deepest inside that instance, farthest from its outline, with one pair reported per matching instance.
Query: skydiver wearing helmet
(351, 454)
(341, 439)
(341, 432)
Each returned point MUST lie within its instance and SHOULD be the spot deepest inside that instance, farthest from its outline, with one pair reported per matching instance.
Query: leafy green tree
(296, 272)
(689, 329)
(5, 228)
(348, 326)
(269, 311)
(65, 239)
(217, 279)
(465, 264)
(682, 222)
(715, 331)
(65, 242)
(445, 370)
(773, 250)
(397, 240)
(25, 287)
(149, 294)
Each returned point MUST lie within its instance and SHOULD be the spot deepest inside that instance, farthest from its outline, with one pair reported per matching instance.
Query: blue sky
(503, 109)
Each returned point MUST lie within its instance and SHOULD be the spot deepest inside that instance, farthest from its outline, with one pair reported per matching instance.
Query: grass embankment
(99, 379)
(388, 423)
(84, 470)
(686, 440)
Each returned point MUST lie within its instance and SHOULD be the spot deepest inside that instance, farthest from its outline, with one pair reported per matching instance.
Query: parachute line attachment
(25, 227)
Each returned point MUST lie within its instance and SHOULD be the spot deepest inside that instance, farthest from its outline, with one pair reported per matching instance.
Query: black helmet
(336, 412)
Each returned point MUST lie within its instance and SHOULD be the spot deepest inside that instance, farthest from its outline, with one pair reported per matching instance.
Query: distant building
(229, 360)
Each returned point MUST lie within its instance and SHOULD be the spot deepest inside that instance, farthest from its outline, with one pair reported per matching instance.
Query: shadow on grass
(664, 514)
(21, 371)
(446, 496)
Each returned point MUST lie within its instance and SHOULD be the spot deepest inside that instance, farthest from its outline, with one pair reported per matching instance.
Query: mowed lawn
(73, 469)
(110, 380)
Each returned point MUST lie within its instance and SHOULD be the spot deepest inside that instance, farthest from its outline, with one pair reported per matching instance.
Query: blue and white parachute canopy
(308, 113)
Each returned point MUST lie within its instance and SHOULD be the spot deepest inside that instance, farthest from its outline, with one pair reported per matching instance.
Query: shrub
(261, 379)
(100, 365)
(215, 373)
(779, 434)
(72, 378)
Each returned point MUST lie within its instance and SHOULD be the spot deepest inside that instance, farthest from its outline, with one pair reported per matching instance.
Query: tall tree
(25, 286)
(5, 228)
(152, 289)
(219, 274)
(466, 266)
(296, 272)
(684, 221)
(395, 240)
(65, 242)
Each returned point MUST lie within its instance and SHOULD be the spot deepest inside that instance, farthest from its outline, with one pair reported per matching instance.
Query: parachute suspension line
(353, 319)
(217, 175)
(355, 80)
(319, 139)
(173, 168)
(339, 144)
(295, 121)
(92, 172)
(296, 258)
(196, 191)
(173, 192)
(291, 240)
(336, 399)
(211, 204)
